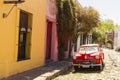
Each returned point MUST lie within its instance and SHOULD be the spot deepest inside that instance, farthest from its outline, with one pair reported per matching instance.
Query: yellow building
(22, 36)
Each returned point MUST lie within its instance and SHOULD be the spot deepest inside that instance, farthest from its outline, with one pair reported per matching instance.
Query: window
(25, 30)
(88, 49)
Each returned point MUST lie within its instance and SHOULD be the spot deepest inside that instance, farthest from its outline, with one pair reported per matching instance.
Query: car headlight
(97, 56)
(74, 57)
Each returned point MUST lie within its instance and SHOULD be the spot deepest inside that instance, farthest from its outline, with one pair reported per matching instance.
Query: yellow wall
(9, 27)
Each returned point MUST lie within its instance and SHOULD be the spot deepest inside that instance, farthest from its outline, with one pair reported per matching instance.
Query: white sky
(108, 9)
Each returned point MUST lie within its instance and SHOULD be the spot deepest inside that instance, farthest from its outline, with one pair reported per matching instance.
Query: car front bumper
(86, 65)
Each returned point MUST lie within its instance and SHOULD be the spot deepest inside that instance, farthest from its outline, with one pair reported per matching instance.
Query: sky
(108, 9)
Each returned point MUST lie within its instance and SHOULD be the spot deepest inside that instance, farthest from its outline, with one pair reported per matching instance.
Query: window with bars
(25, 30)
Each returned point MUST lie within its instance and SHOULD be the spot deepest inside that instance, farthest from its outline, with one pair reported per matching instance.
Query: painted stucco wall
(9, 37)
(51, 16)
(51, 10)
(116, 38)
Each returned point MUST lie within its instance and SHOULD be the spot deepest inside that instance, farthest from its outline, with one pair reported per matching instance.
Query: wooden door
(49, 37)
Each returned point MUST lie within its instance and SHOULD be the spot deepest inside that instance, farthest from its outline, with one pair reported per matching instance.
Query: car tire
(75, 68)
(101, 66)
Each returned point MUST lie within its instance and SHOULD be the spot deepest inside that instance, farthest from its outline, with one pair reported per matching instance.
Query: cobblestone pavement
(111, 70)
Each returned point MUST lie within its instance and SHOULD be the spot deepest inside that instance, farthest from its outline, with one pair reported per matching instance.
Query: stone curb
(58, 72)
(47, 72)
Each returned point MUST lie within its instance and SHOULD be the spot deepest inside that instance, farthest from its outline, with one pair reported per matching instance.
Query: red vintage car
(89, 55)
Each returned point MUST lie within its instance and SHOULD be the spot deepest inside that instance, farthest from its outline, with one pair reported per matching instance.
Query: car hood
(88, 52)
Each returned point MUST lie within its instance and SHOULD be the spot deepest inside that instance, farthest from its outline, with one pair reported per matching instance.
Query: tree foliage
(66, 24)
(110, 41)
(72, 18)
(99, 32)
(88, 18)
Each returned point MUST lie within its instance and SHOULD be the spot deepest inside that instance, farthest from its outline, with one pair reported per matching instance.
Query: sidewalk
(46, 72)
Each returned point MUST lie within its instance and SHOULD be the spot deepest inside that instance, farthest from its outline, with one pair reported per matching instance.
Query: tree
(72, 18)
(105, 26)
(66, 24)
(88, 18)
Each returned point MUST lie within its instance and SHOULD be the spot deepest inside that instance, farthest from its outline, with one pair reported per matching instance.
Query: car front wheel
(75, 68)
(101, 66)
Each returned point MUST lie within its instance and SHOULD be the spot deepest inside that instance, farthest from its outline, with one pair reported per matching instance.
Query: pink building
(51, 31)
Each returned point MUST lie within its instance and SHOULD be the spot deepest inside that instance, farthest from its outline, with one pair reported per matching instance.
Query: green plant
(66, 25)
(110, 41)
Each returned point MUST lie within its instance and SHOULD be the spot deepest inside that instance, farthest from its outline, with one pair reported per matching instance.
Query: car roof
(89, 45)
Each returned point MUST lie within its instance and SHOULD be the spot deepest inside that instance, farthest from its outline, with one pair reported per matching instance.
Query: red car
(89, 55)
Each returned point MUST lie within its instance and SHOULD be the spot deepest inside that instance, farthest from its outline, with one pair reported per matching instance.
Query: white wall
(116, 39)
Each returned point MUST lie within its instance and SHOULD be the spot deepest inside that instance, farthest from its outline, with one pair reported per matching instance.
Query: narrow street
(111, 70)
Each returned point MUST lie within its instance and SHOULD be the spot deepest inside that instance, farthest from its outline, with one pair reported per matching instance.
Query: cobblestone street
(111, 70)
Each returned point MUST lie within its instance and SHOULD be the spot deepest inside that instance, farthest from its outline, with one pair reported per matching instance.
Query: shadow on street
(84, 70)
(88, 70)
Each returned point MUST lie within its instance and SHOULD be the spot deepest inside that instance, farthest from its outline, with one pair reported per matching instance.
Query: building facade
(51, 31)
(22, 35)
(116, 39)
(79, 41)
(109, 40)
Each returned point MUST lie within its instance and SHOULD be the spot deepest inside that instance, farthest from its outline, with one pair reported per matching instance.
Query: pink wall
(51, 10)
(54, 42)
(51, 16)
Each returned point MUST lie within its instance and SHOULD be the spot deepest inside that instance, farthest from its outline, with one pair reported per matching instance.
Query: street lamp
(15, 2)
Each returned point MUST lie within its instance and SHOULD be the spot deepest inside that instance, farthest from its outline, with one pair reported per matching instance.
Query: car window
(88, 49)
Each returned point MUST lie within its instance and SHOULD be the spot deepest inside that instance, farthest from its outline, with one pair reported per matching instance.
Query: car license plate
(79, 61)
(85, 66)
(90, 57)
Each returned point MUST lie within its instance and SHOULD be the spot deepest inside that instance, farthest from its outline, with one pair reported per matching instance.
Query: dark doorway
(23, 24)
(48, 42)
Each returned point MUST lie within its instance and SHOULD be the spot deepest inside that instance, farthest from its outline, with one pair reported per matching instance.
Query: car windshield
(89, 49)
